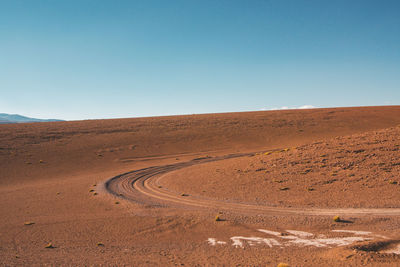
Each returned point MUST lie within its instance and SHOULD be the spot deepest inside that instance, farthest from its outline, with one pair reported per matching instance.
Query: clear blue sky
(104, 59)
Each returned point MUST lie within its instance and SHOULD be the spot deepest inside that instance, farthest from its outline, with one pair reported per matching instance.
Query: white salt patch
(352, 232)
(323, 242)
(342, 241)
(382, 236)
(213, 242)
(269, 232)
(280, 235)
(307, 242)
(301, 238)
(300, 233)
(359, 233)
(238, 241)
(288, 237)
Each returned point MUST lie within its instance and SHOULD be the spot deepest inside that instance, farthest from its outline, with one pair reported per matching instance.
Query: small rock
(49, 245)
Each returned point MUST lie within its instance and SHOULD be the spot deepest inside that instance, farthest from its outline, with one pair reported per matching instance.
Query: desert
(199, 133)
(230, 189)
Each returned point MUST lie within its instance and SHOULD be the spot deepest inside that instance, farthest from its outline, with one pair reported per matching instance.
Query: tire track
(141, 186)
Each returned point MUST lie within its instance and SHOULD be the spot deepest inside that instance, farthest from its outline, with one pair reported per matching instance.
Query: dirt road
(142, 186)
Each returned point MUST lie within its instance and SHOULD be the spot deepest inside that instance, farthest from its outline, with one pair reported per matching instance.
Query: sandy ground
(50, 173)
(356, 171)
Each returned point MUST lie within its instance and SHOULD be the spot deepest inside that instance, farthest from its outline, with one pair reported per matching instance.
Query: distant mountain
(15, 118)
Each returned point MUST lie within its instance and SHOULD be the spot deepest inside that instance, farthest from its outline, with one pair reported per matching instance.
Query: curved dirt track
(141, 186)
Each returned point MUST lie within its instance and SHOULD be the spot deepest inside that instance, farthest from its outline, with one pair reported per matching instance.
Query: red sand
(48, 169)
(361, 170)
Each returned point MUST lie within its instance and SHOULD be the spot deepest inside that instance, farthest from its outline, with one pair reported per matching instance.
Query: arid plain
(233, 189)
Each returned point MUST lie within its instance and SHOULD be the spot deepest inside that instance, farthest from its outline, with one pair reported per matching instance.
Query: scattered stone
(336, 218)
(49, 245)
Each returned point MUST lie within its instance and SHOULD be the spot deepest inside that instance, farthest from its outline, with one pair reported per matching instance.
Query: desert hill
(15, 118)
(56, 209)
